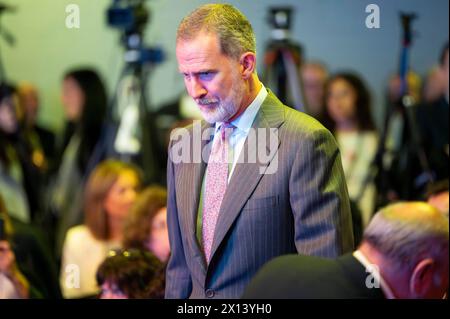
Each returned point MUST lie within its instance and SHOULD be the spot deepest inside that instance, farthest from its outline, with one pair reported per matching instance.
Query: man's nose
(197, 90)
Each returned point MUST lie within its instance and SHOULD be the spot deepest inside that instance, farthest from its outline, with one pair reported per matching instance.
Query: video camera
(280, 19)
(131, 16)
(128, 15)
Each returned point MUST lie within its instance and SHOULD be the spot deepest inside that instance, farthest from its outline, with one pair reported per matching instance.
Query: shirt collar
(376, 274)
(245, 120)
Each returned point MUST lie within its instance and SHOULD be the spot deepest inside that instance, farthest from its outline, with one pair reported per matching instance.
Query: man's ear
(248, 64)
(421, 281)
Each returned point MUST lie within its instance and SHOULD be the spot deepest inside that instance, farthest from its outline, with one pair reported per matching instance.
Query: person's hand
(9, 268)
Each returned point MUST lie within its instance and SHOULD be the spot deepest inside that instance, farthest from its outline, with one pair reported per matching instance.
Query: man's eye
(206, 75)
(186, 76)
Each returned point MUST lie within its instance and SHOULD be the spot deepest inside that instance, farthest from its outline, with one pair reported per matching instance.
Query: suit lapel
(247, 175)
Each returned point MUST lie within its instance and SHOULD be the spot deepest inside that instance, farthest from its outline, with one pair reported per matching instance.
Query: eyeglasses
(125, 253)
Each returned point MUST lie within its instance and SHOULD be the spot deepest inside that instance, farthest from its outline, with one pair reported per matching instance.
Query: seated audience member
(84, 99)
(433, 124)
(404, 254)
(13, 284)
(14, 272)
(146, 225)
(130, 274)
(20, 175)
(41, 137)
(348, 115)
(109, 195)
(434, 86)
(314, 77)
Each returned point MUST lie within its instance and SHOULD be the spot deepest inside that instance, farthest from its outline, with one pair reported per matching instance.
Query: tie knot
(226, 129)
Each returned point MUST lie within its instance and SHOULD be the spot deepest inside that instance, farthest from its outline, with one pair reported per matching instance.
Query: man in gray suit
(269, 181)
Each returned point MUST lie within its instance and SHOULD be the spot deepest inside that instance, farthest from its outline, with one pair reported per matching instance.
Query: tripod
(129, 133)
(395, 180)
(282, 61)
(282, 73)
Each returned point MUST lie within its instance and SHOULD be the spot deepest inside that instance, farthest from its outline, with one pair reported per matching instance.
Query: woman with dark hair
(109, 195)
(131, 274)
(349, 118)
(85, 102)
(146, 225)
(20, 162)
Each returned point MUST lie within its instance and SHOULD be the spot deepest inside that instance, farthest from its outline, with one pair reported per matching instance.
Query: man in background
(404, 254)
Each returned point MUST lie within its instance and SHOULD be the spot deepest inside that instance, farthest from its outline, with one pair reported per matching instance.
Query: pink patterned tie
(216, 184)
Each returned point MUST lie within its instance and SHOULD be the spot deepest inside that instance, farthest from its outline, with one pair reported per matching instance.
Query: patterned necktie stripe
(216, 184)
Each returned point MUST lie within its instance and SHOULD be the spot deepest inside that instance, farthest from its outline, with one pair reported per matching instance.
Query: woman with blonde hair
(109, 195)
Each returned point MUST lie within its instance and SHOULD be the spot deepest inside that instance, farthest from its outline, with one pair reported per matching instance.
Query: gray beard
(225, 109)
(220, 114)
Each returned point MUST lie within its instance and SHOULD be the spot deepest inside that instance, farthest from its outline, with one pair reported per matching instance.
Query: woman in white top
(109, 194)
(348, 107)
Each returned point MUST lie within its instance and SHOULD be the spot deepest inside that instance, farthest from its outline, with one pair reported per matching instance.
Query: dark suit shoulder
(290, 276)
(297, 276)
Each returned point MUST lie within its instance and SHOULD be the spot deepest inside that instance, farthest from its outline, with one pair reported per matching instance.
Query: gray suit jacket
(301, 207)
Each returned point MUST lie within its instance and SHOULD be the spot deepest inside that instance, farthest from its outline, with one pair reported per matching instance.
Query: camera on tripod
(131, 16)
(283, 59)
(128, 132)
(128, 15)
(280, 19)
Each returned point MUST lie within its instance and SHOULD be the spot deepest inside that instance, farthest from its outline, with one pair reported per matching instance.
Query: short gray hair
(233, 29)
(405, 236)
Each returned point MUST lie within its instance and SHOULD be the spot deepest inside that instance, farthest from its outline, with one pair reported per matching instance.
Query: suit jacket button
(210, 293)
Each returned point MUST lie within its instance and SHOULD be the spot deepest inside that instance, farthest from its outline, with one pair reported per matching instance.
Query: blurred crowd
(78, 226)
